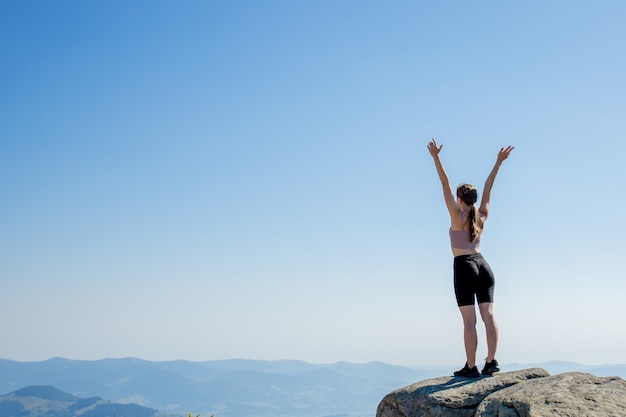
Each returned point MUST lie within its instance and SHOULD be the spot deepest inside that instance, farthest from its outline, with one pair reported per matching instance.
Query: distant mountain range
(230, 388)
(40, 401)
(559, 367)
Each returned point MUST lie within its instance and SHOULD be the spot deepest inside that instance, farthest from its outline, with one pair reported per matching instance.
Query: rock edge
(524, 393)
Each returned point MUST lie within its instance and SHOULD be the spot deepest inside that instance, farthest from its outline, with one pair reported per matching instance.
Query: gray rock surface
(450, 396)
(572, 394)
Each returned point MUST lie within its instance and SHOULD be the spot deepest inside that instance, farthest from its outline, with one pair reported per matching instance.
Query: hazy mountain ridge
(229, 388)
(237, 388)
(559, 367)
(46, 401)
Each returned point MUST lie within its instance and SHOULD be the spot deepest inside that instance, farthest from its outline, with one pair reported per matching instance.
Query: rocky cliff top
(525, 393)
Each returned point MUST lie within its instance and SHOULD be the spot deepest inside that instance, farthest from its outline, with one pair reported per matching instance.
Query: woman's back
(460, 234)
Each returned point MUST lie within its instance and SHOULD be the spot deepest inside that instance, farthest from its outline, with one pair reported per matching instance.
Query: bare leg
(469, 334)
(491, 329)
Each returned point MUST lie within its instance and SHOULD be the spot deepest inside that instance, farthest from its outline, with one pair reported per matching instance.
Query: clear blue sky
(213, 179)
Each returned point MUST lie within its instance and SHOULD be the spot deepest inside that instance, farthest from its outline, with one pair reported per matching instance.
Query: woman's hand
(434, 149)
(504, 153)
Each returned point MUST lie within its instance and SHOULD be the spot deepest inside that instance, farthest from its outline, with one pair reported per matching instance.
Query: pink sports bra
(460, 239)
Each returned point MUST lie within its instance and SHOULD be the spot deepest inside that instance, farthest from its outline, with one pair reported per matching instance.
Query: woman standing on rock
(473, 278)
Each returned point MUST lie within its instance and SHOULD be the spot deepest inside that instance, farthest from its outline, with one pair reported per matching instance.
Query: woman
(473, 278)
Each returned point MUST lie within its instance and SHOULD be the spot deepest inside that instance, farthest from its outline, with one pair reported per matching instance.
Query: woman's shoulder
(459, 222)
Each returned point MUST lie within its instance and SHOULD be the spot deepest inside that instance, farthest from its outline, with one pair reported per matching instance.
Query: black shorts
(473, 278)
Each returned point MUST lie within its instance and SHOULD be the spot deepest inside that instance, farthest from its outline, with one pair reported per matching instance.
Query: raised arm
(448, 194)
(484, 202)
